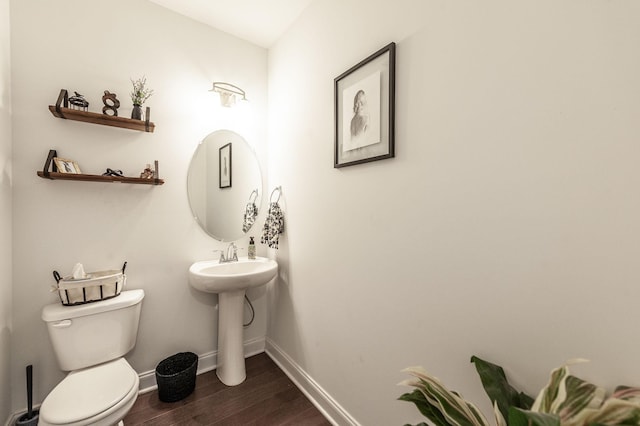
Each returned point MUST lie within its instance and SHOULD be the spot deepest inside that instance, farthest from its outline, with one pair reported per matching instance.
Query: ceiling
(261, 22)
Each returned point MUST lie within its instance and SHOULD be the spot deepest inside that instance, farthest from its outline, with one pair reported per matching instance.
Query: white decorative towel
(273, 226)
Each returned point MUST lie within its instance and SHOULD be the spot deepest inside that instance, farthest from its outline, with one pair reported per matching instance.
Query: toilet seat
(89, 395)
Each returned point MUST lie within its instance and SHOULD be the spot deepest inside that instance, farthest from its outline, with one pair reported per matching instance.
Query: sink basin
(230, 280)
(211, 276)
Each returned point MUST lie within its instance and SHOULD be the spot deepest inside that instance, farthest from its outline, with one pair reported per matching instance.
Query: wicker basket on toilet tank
(96, 286)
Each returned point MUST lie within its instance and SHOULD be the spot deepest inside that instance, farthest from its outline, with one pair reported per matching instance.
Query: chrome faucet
(232, 254)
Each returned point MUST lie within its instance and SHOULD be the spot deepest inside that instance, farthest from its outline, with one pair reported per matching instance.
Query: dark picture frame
(225, 166)
(364, 101)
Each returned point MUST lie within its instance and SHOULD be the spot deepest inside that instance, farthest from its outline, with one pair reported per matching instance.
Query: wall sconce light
(228, 93)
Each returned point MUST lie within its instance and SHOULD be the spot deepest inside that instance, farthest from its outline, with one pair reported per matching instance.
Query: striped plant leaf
(614, 411)
(627, 393)
(429, 411)
(551, 392)
(553, 395)
(455, 410)
(580, 403)
(580, 396)
(621, 408)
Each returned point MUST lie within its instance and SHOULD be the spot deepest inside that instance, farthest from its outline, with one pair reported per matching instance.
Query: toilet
(90, 341)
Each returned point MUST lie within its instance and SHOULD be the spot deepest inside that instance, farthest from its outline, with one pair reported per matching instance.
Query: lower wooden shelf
(99, 178)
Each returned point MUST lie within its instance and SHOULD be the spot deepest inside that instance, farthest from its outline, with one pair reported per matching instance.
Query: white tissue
(78, 272)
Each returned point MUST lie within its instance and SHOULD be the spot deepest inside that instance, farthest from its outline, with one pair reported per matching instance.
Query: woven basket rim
(189, 357)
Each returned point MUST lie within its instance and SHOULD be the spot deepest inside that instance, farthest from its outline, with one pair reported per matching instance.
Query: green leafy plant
(140, 92)
(565, 401)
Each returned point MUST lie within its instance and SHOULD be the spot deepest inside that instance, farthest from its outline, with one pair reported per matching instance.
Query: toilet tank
(93, 333)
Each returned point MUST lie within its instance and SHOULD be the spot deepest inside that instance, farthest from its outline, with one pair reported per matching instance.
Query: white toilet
(90, 342)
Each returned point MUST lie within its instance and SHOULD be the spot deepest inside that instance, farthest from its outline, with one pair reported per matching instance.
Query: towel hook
(253, 199)
(279, 189)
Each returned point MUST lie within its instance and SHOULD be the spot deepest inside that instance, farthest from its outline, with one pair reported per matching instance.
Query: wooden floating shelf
(103, 119)
(99, 178)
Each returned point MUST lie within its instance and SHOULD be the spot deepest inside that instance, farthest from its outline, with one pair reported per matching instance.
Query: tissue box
(96, 286)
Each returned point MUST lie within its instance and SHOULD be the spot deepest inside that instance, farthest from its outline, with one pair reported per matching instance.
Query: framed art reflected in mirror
(224, 157)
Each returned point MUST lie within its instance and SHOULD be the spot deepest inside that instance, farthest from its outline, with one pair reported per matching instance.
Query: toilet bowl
(90, 342)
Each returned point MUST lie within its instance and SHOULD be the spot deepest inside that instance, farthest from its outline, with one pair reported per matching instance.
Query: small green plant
(140, 93)
(565, 401)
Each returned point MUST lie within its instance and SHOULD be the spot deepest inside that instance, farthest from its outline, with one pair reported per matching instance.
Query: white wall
(507, 225)
(5, 212)
(90, 47)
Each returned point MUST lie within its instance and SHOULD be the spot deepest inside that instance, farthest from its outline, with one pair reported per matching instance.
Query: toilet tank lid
(58, 312)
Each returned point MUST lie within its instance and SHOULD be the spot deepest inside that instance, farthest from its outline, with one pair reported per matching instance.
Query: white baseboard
(312, 390)
(206, 362)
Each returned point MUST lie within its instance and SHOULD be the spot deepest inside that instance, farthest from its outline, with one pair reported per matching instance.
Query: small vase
(136, 113)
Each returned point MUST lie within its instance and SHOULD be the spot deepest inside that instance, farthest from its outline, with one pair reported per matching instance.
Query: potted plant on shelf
(139, 95)
(565, 401)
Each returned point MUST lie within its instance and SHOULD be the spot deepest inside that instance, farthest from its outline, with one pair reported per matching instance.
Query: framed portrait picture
(66, 166)
(364, 98)
(224, 157)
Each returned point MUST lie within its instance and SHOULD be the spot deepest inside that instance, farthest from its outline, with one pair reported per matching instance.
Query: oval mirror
(224, 184)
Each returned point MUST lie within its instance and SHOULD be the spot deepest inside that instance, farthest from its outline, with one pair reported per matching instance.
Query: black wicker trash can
(176, 376)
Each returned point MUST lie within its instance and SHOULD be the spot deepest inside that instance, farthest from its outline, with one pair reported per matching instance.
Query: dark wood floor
(267, 397)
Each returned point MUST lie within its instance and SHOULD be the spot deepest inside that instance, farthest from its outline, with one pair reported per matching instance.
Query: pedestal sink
(230, 280)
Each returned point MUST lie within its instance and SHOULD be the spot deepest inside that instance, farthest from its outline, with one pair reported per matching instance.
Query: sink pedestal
(230, 369)
(230, 280)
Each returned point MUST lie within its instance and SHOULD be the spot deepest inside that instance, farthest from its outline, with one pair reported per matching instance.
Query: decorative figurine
(78, 102)
(111, 104)
(147, 173)
(113, 172)
(138, 96)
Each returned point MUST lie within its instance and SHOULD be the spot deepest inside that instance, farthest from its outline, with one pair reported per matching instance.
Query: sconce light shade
(228, 93)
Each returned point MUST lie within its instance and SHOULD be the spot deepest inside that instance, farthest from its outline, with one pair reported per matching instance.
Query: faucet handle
(234, 254)
(222, 258)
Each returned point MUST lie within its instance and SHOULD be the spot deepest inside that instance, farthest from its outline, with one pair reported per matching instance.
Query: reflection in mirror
(224, 185)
